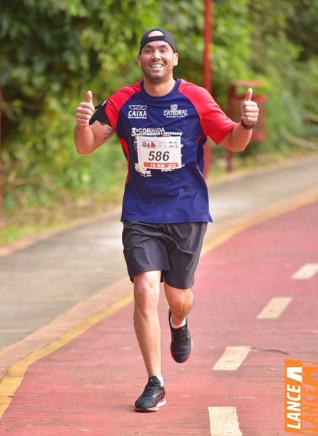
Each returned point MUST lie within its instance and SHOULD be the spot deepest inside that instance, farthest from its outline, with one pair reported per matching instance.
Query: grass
(13, 233)
(27, 222)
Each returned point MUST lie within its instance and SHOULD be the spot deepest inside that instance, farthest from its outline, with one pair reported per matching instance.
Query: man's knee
(179, 300)
(146, 291)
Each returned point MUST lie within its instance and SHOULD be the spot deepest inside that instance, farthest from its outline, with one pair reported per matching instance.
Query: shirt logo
(137, 111)
(148, 131)
(174, 112)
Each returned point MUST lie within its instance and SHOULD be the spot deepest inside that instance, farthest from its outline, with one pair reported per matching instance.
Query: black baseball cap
(165, 36)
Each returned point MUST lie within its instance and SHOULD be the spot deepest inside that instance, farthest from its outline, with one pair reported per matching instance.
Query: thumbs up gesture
(249, 110)
(85, 110)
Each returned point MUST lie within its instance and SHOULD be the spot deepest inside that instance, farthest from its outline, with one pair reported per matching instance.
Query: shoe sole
(152, 409)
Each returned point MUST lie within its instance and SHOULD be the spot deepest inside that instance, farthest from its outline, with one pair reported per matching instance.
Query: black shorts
(173, 249)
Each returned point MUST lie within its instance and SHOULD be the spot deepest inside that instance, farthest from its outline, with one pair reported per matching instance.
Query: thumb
(89, 97)
(248, 95)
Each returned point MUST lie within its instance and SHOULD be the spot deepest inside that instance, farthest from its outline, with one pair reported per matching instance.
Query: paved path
(42, 281)
(89, 385)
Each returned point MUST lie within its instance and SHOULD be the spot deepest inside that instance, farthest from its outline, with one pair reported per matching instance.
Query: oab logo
(137, 111)
(174, 112)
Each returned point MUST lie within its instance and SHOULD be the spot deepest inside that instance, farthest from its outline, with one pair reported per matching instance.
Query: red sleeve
(112, 112)
(116, 102)
(214, 122)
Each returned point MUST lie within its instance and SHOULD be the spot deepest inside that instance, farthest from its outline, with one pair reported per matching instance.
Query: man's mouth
(156, 66)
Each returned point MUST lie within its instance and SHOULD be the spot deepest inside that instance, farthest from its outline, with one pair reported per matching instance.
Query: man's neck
(159, 89)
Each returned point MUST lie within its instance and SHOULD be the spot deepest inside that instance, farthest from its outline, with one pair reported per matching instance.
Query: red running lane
(90, 385)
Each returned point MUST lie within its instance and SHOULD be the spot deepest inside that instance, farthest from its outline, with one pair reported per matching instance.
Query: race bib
(159, 152)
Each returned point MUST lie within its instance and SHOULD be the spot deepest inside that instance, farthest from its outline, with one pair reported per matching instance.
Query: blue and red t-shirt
(163, 139)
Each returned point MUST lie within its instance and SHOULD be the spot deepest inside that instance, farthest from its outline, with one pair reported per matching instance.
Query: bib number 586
(158, 155)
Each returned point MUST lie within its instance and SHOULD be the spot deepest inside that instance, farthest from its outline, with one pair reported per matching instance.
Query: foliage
(232, 45)
(280, 59)
(53, 51)
(185, 20)
(51, 59)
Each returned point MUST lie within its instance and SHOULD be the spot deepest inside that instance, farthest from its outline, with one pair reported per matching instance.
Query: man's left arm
(240, 136)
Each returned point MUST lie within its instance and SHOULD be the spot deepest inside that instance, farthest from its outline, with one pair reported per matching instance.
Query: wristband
(248, 126)
(100, 114)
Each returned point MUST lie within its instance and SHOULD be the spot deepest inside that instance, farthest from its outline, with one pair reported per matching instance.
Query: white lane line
(307, 271)
(224, 421)
(274, 308)
(232, 358)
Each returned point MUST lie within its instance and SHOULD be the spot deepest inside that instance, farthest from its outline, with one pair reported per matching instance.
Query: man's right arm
(89, 137)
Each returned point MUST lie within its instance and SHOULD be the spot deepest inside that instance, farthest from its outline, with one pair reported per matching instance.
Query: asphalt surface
(44, 280)
(89, 385)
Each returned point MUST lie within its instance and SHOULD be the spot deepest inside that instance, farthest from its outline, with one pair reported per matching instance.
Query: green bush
(48, 67)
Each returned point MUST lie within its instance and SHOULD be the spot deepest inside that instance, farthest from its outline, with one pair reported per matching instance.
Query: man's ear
(176, 59)
(138, 60)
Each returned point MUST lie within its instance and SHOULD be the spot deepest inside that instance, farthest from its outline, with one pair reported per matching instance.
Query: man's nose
(156, 54)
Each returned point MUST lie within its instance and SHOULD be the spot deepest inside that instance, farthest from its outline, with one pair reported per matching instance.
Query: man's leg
(180, 302)
(147, 327)
(146, 320)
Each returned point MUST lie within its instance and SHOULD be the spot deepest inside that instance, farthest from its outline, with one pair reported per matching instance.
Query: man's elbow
(234, 145)
(236, 148)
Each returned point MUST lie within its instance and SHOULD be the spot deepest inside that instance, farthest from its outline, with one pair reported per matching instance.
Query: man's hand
(88, 138)
(85, 110)
(249, 110)
(241, 135)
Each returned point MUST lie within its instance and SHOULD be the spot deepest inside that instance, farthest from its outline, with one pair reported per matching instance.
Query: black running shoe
(152, 397)
(181, 342)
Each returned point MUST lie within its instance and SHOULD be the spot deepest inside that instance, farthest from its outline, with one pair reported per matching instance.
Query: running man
(162, 124)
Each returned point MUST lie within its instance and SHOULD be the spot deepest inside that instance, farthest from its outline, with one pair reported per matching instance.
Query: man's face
(157, 60)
